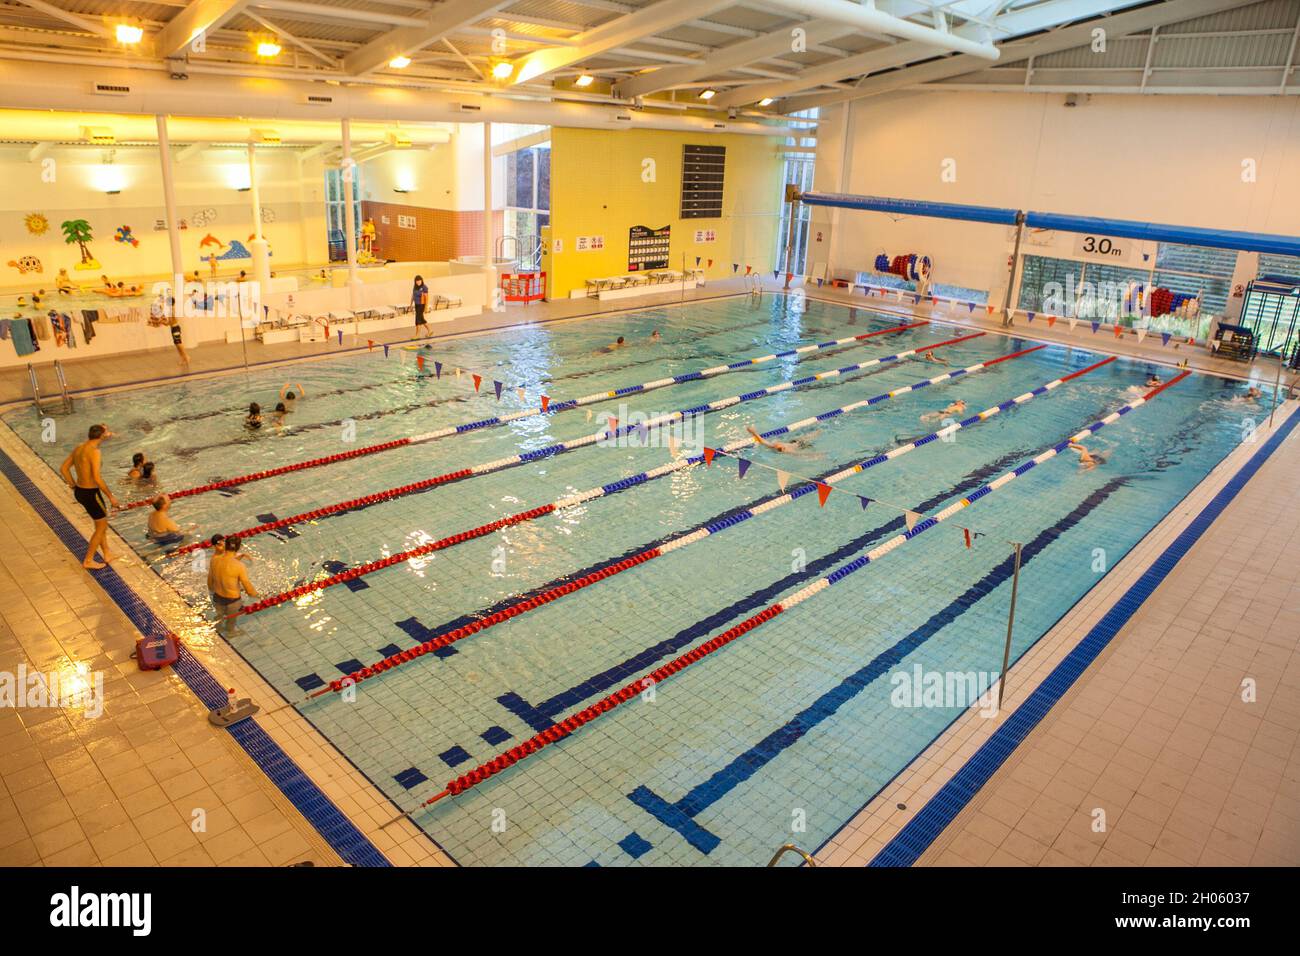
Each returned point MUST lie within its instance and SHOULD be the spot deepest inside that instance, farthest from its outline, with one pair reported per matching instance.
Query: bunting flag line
(735, 267)
(823, 492)
(966, 533)
(1051, 321)
(742, 466)
(911, 517)
(1141, 334)
(520, 392)
(1119, 331)
(385, 350)
(478, 380)
(340, 336)
(782, 479)
(498, 386)
(1164, 338)
(708, 456)
(546, 403)
(1030, 315)
(370, 345)
(1095, 327)
(865, 501)
(437, 367)
(419, 362)
(1073, 322)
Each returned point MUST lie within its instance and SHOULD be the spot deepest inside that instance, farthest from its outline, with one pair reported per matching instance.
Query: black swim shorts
(92, 499)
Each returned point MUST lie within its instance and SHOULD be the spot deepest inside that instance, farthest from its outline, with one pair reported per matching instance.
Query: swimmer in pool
(289, 394)
(147, 475)
(655, 336)
(956, 408)
(1153, 380)
(1087, 460)
(137, 462)
(254, 418)
(1252, 394)
(796, 447)
(929, 357)
(161, 526)
(280, 411)
(612, 346)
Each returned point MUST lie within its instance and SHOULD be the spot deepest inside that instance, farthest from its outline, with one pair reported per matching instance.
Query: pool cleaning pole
(792, 197)
(1011, 620)
(1011, 276)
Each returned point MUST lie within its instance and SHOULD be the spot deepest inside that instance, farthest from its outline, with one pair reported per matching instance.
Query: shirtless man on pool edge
(90, 491)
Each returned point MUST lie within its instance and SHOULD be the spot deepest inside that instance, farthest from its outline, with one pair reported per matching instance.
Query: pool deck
(1153, 732)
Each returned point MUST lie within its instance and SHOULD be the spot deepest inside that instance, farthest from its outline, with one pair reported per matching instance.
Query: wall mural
(26, 264)
(36, 223)
(123, 235)
(78, 232)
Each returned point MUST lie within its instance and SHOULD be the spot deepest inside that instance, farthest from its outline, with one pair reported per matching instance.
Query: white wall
(1152, 158)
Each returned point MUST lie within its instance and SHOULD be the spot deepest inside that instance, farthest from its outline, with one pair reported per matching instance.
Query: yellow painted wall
(597, 190)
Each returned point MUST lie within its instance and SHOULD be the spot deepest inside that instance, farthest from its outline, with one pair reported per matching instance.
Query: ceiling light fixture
(586, 79)
(400, 62)
(503, 69)
(128, 33)
(766, 101)
(708, 94)
(268, 48)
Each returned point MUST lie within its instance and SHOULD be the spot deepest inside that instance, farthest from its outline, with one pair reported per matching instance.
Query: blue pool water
(781, 736)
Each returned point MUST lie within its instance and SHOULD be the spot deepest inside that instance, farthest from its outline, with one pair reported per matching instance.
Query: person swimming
(655, 336)
(137, 462)
(1153, 380)
(280, 411)
(1087, 460)
(289, 396)
(147, 476)
(956, 408)
(612, 346)
(254, 418)
(929, 357)
(798, 446)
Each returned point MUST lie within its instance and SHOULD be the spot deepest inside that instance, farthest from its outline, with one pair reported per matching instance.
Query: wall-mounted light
(584, 80)
(403, 182)
(128, 33)
(708, 94)
(400, 62)
(238, 178)
(268, 48)
(108, 178)
(766, 101)
(502, 69)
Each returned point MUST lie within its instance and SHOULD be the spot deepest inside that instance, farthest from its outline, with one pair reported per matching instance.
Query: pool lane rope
(547, 407)
(611, 433)
(680, 541)
(569, 725)
(582, 497)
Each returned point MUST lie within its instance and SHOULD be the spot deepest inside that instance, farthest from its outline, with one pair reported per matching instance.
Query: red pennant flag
(478, 380)
(613, 423)
(419, 360)
(546, 402)
(708, 456)
(934, 300)
(370, 345)
(823, 492)
(789, 276)
(710, 262)
(1051, 321)
(748, 269)
(1119, 330)
(966, 532)
(990, 308)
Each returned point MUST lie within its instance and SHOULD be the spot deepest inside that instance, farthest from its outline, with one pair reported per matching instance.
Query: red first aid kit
(155, 653)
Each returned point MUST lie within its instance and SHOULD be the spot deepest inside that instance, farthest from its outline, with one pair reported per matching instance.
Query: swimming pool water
(781, 736)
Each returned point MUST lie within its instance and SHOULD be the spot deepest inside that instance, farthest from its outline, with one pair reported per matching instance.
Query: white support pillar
(261, 249)
(489, 239)
(169, 207)
(350, 214)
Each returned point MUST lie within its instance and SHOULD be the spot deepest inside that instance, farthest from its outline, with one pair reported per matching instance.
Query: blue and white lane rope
(568, 501)
(484, 621)
(571, 724)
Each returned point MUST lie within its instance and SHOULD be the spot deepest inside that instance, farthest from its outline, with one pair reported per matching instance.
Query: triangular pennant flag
(401, 357)
(966, 533)
(1164, 338)
(520, 392)
(823, 492)
(934, 300)
(1141, 334)
(782, 479)
(1119, 330)
(546, 403)
(1030, 315)
(589, 414)
(708, 456)
(498, 386)
(990, 309)
(748, 269)
(672, 446)
(789, 276)
(385, 350)
(1095, 327)
(911, 517)
(707, 262)
(775, 273)
(743, 466)
(370, 345)
(820, 280)
(697, 260)
(1051, 321)
(458, 371)
(613, 424)
(340, 336)
(735, 267)
(970, 306)
(419, 361)
(1073, 323)
(437, 369)
(865, 501)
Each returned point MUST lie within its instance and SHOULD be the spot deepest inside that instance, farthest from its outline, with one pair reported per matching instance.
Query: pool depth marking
(547, 408)
(608, 434)
(569, 725)
(676, 542)
(582, 497)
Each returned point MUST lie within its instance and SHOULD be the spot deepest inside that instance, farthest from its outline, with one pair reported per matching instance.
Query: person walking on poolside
(89, 489)
(228, 581)
(956, 408)
(174, 326)
(420, 302)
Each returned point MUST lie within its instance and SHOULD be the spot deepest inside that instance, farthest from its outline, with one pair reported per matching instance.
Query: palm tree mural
(78, 231)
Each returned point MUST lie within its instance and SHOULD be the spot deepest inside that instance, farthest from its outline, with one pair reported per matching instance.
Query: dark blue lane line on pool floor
(348, 842)
(680, 816)
(919, 832)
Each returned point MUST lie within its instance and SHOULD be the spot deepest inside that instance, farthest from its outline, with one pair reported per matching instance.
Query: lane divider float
(569, 725)
(582, 497)
(677, 542)
(547, 407)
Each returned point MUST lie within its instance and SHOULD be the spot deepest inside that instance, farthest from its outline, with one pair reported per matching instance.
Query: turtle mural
(26, 264)
(78, 232)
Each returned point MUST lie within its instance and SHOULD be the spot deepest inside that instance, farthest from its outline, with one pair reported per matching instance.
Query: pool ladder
(791, 848)
(36, 387)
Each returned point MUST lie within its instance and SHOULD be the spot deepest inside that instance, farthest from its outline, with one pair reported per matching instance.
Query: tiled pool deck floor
(1154, 733)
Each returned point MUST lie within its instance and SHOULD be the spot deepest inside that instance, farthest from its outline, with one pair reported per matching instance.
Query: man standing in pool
(90, 491)
(228, 581)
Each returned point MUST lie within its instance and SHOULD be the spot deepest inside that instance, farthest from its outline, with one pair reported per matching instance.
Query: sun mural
(37, 224)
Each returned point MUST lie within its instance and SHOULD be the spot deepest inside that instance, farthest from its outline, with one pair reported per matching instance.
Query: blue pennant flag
(340, 336)
(1164, 338)
(498, 388)
(1030, 315)
(1095, 327)
(735, 267)
(970, 306)
(385, 350)
(697, 260)
(744, 466)
(775, 273)
(437, 369)
(865, 502)
(820, 280)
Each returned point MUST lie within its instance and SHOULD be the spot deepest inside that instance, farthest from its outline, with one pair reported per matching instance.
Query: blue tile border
(329, 821)
(916, 836)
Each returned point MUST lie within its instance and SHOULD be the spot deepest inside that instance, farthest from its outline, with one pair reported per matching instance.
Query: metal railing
(36, 389)
(791, 848)
(63, 385)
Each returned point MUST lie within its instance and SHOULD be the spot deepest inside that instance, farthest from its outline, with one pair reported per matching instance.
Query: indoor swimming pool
(565, 572)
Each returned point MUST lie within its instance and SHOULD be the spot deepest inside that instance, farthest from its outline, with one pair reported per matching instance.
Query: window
(336, 211)
(1275, 265)
(528, 202)
(799, 169)
(1197, 270)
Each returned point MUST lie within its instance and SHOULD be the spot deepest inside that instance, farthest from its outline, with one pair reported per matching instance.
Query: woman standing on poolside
(419, 301)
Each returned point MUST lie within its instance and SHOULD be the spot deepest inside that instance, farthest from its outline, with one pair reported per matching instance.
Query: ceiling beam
(867, 18)
(403, 41)
(81, 23)
(198, 19)
(619, 32)
(1079, 34)
(730, 57)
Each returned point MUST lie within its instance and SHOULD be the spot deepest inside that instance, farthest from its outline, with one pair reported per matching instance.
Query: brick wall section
(439, 234)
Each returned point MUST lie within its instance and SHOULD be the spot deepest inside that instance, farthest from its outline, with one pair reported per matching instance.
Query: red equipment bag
(155, 653)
